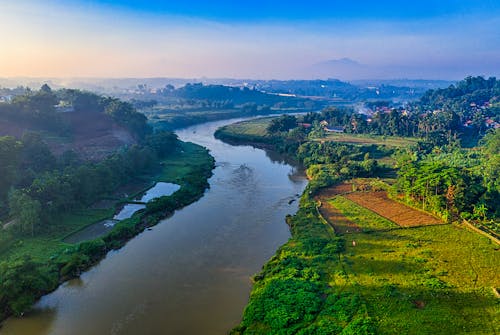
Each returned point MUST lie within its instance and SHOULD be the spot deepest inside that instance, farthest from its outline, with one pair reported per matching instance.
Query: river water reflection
(190, 273)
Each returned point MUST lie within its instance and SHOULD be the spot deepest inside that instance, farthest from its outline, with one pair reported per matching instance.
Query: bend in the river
(190, 274)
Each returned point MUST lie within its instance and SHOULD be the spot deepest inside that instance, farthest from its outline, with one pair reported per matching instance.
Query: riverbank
(378, 278)
(170, 119)
(34, 266)
(201, 256)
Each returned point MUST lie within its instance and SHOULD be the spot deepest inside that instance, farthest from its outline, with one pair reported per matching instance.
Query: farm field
(427, 280)
(430, 279)
(398, 213)
(392, 141)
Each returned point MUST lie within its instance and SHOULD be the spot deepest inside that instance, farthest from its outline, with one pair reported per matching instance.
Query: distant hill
(331, 89)
(90, 125)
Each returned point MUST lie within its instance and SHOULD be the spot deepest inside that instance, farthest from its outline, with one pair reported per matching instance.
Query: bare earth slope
(92, 136)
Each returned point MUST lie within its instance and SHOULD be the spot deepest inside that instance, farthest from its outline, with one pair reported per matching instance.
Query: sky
(255, 39)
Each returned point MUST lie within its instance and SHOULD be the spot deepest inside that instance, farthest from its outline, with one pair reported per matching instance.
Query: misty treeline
(43, 110)
(222, 97)
(458, 115)
(437, 174)
(36, 187)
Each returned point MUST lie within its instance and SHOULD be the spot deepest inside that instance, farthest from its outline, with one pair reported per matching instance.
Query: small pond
(102, 227)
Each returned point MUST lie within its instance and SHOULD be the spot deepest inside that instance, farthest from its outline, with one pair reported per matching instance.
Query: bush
(21, 282)
(282, 304)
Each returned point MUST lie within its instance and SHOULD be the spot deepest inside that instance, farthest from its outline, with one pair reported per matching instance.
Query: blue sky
(445, 39)
(307, 10)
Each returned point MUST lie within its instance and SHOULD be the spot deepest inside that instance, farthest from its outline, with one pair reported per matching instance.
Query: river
(190, 274)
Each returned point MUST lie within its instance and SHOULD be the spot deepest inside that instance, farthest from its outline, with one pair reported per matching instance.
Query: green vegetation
(364, 218)
(385, 279)
(46, 196)
(45, 260)
(455, 183)
(426, 280)
(292, 294)
(41, 187)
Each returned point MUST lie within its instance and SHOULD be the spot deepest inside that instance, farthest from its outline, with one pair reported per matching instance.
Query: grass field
(254, 127)
(392, 141)
(428, 280)
(423, 280)
(365, 220)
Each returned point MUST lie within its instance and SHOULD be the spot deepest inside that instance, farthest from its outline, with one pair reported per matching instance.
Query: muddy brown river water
(191, 273)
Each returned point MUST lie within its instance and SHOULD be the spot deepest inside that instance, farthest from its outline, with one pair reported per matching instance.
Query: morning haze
(432, 40)
(259, 167)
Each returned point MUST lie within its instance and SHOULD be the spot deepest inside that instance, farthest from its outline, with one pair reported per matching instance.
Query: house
(490, 123)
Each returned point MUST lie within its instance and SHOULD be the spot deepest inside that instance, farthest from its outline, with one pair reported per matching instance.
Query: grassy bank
(33, 266)
(378, 279)
(426, 280)
(250, 131)
(170, 119)
(293, 293)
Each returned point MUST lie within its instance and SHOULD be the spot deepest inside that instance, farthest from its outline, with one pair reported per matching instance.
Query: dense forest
(455, 183)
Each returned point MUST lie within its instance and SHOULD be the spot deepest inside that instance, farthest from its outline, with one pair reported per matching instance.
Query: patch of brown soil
(419, 304)
(398, 213)
(337, 220)
(8, 128)
(95, 135)
(330, 192)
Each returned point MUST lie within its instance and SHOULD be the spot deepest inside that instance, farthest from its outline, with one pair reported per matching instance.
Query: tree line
(454, 183)
(459, 114)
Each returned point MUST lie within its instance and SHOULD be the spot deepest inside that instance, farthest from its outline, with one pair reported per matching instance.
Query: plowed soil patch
(400, 214)
(330, 192)
(337, 220)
